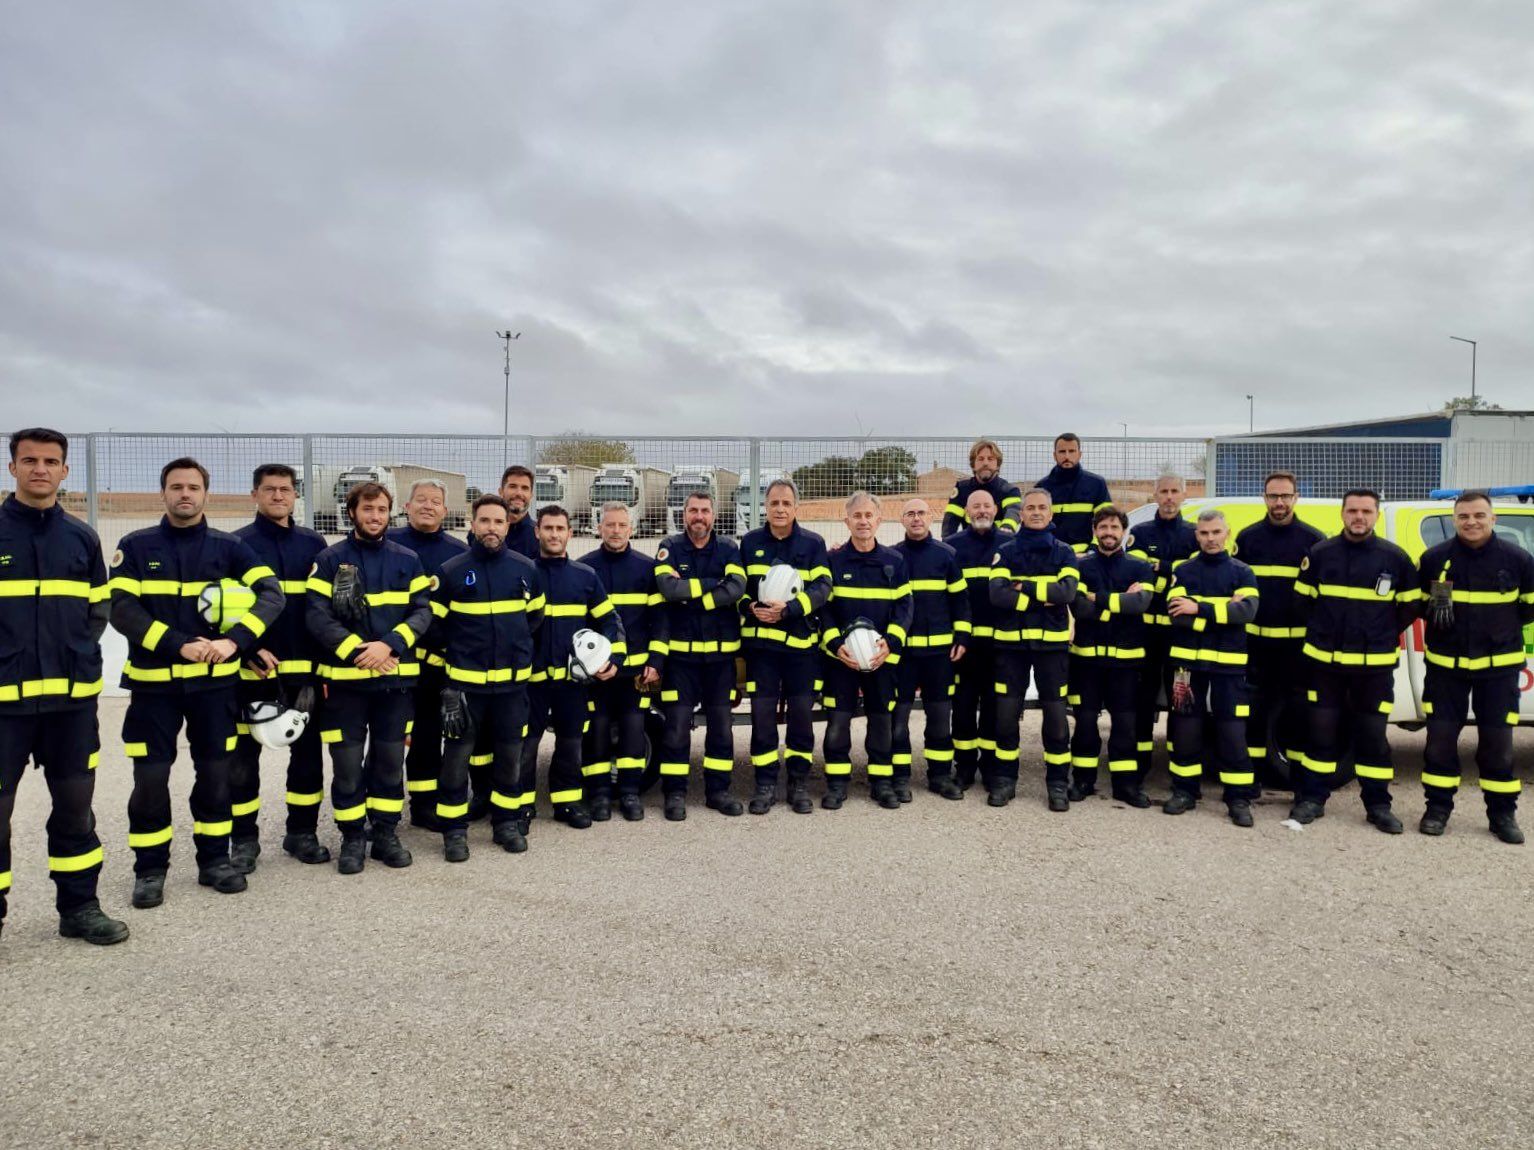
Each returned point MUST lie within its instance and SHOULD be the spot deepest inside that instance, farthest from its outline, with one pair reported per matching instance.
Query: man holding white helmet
(577, 603)
(865, 629)
(277, 682)
(788, 581)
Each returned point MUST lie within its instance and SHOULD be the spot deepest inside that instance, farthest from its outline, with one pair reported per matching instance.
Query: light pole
(1124, 461)
(1251, 415)
(1471, 342)
(507, 336)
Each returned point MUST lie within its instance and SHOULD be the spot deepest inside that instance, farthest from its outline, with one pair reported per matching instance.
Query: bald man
(974, 711)
(940, 628)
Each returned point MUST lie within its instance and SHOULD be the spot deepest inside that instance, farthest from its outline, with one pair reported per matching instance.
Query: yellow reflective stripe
(351, 814)
(1205, 655)
(216, 830)
(293, 586)
(1480, 663)
(1349, 659)
(1035, 633)
(180, 671)
(67, 864)
(388, 806)
(492, 675)
(955, 509)
(387, 598)
(1365, 772)
(1275, 632)
(605, 607)
(151, 838)
(489, 606)
(256, 573)
(68, 588)
(36, 688)
(930, 640)
(881, 593)
(928, 585)
(629, 598)
(152, 637)
(101, 594)
(405, 632)
(570, 795)
(1446, 781)
(438, 609)
(320, 585)
(420, 786)
(1272, 571)
(703, 646)
(565, 610)
(1342, 591)
(420, 583)
(331, 736)
(452, 811)
(1501, 786)
(404, 670)
(1074, 508)
(304, 799)
(348, 645)
(246, 808)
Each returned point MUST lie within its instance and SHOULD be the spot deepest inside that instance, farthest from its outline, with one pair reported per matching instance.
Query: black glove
(347, 594)
(1440, 603)
(457, 723)
(304, 700)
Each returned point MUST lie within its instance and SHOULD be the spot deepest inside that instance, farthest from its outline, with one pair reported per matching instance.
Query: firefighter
(53, 610)
(280, 671)
(615, 744)
(1479, 596)
(974, 689)
(1032, 582)
(517, 492)
(1212, 598)
(938, 636)
(575, 601)
(869, 589)
(701, 578)
(1358, 593)
(1164, 540)
(369, 608)
(780, 639)
(1274, 547)
(1076, 493)
(985, 465)
(488, 604)
(191, 601)
(1107, 657)
(425, 509)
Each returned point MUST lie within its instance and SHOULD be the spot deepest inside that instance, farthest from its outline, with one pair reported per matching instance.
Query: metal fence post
(91, 510)
(753, 477)
(529, 451)
(310, 495)
(1211, 458)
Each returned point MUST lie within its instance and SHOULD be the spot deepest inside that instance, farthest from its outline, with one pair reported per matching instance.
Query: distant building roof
(1427, 425)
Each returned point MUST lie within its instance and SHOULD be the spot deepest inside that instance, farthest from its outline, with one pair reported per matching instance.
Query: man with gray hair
(1163, 541)
(425, 510)
(1212, 599)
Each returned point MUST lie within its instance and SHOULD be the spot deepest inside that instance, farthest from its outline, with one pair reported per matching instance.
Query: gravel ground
(943, 975)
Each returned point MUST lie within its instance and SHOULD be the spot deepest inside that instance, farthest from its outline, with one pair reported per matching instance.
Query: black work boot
(676, 806)
(354, 850)
(1434, 821)
(510, 836)
(1131, 795)
(455, 846)
(243, 854)
(799, 800)
(600, 808)
(424, 815)
(88, 922)
(884, 795)
(574, 815)
(1240, 812)
(1179, 803)
(1504, 824)
(725, 803)
(1080, 789)
(1057, 795)
(306, 847)
(1384, 818)
(946, 786)
(903, 790)
(630, 808)
(835, 796)
(1306, 811)
(1000, 792)
(148, 890)
(222, 877)
(763, 799)
(387, 848)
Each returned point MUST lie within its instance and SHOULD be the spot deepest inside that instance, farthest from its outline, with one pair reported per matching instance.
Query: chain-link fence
(115, 477)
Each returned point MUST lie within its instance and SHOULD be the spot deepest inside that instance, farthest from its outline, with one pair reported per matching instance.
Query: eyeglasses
(1280, 498)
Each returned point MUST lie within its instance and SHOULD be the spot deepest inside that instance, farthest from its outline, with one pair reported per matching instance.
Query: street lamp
(1251, 415)
(507, 336)
(1471, 342)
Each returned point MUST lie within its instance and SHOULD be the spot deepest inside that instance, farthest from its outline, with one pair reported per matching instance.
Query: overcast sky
(773, 218)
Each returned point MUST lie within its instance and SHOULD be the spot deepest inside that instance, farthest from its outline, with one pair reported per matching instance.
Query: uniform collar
(197, 529)
(275, 530)
(369, 544)
(1217, 558)
(37, 517)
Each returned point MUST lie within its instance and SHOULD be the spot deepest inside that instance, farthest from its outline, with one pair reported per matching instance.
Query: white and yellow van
(1415, 526)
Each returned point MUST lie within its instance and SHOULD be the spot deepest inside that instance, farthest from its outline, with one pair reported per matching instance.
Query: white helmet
(273, 725)
(779, 585)
(223, 603)
(590, 651)
(862, 643)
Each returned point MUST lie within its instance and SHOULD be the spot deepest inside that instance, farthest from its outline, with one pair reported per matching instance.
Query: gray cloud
(732, 217)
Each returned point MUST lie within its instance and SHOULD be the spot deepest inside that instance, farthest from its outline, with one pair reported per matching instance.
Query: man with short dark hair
(369, 607)
(1075, 492)
(517, 491)
(53, 610)
(1274, 547)
(1358, 593)
(974, 690)
(1479, 592)
(280, 670)
(191, 601)
(422, 533)
(985, 468)
(1164, 540)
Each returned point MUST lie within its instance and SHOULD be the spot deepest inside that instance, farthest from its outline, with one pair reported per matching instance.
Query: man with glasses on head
(1479, 592)
(425, 509)
(985, 464)
(1358, 592)
(1274, 547)
(280, 670)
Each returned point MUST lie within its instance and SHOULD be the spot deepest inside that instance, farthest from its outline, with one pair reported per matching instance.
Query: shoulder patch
(117, 557)
(437, 582)
(1305, 563)
(314, 569)
(954, 494)
(995, 559)
(662, 553)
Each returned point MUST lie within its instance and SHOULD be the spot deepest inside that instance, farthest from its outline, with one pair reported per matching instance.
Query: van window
(1517, 529)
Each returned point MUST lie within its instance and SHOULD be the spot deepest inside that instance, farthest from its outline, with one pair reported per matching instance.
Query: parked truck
(318, 505)
(741, 504)
(643, 489)
(719, 482)
(568, 485)
(397, 478)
